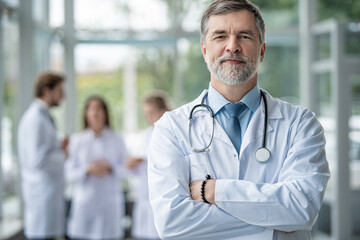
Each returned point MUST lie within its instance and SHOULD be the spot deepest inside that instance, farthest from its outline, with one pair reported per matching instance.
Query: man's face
(56, 95)
(232, 48)
(152, 113)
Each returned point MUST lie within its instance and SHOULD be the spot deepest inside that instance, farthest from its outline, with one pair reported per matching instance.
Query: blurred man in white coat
(42, 158)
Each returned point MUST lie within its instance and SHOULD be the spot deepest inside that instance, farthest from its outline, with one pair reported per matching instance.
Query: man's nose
(233, 45)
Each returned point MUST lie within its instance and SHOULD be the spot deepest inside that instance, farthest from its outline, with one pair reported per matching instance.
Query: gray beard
(233, 74)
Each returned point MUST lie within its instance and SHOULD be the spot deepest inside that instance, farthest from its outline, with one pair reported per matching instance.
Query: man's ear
(262, 52)
(45, 92)
(203, 50)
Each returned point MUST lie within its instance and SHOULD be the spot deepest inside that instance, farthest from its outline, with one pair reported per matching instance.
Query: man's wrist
(210, 191)
(202, 189)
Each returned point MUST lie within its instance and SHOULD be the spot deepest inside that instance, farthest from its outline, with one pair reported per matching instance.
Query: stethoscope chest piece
(262, 154)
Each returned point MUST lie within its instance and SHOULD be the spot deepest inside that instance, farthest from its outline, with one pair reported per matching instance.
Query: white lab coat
(254, 200)
(42, 161)
(143, 217)
(97, 204)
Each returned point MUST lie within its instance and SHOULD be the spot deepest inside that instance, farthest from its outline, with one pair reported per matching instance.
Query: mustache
(233, 57)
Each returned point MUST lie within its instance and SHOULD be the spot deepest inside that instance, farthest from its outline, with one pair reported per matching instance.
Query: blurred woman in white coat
(96, 167)
(155, 104)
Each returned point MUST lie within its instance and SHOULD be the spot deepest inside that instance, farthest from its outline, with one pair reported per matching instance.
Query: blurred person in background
(154, 105)
(96, 167)
(42, 156)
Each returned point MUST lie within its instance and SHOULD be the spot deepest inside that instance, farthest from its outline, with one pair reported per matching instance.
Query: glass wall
(124, 50)
(10, 169)
(48, 54)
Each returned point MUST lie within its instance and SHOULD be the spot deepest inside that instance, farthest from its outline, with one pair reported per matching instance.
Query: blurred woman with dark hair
(96, 167)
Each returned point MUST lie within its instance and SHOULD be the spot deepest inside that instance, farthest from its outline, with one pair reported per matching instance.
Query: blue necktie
(232, 127)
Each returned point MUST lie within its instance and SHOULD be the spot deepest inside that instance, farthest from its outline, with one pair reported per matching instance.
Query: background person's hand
(64, 146)
(133, 162)
(105, 166)
(99, 168)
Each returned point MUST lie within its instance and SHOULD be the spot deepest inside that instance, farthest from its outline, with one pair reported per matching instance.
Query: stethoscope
(262, 154)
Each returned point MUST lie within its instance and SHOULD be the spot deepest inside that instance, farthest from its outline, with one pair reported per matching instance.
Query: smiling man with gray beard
(236, 163)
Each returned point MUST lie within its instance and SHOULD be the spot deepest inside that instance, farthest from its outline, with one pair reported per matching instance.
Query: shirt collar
(42, 103)
(252, 98)
(216, 101)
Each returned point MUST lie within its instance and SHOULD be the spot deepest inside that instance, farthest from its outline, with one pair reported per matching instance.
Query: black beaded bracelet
(203, 189)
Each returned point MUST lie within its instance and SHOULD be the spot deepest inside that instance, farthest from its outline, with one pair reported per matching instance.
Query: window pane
(99, 72)
(279, 73)
(125, 15)
(40, 11)
(322, 46)
(196, 74)
(10, 166)
(352, 39)
(56, 13)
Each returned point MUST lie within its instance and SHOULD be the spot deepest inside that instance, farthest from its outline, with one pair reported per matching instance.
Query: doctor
(96, 167)
(42, 157)
(210, 183)
(155, 104)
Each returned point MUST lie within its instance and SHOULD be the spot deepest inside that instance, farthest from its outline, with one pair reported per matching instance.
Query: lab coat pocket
(197, 166)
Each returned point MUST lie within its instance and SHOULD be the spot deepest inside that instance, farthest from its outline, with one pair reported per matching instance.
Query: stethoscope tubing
(266, 118)
(262, 154)
(202, 104)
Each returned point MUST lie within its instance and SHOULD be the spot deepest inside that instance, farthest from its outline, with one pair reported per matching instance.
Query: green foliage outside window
(107, 85)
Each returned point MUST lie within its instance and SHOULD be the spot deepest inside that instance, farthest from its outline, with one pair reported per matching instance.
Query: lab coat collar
(273, 107)
(41, 104)
(91, 134)
(43, 108)
(255, 129)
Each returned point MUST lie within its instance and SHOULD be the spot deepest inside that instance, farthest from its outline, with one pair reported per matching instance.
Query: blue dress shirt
(217, 102)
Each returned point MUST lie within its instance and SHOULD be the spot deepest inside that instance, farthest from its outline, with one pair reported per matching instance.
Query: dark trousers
(86, 239)
(41, 238)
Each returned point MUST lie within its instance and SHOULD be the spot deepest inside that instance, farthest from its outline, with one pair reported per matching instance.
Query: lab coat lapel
(255, 129)
(220, 134)
(45, 112)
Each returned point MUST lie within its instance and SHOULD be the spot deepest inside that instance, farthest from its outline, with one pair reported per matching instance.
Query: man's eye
(219, 37)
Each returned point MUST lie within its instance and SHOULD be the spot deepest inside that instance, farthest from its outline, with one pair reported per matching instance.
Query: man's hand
(64, 146)
(195, 191)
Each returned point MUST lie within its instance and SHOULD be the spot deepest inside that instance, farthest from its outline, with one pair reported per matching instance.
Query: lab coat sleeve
(294, 201)
(74, 170)
(43, 152)
(142, 152)
(118, 166)
(177, 216)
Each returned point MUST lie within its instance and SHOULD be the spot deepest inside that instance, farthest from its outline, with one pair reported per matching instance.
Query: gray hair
(219, 7)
